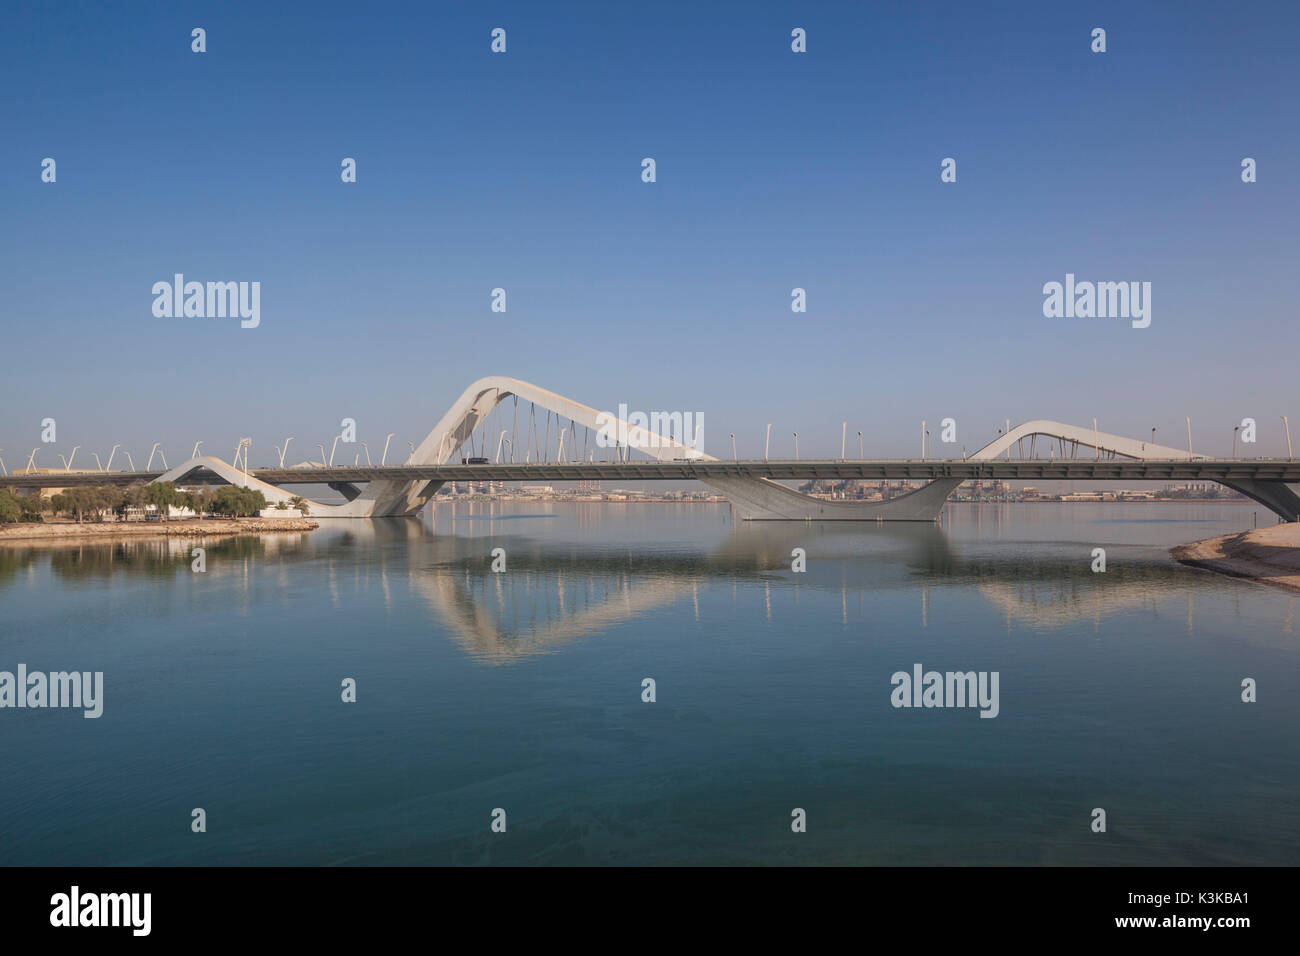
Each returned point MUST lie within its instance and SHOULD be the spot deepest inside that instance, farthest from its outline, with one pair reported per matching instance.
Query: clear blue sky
(522, 170)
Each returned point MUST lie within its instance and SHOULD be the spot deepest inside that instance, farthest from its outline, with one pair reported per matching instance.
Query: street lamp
(1287, 426)
(322, 453)
(2, 464)
(149, 463)
(733, 446)
(111, 452)
(923, 434)
(1189, 436)
(129, 460)
(68, 467)
(333, 446)
(768, 441)
(283, 450)
(367, 449)
(384, 456)
(844, 434)
(796, 446)
(859, 446)
(411, 445)
(98, 463)
(1234, 440)
(244, 443)
(195, 452)
(31, 459)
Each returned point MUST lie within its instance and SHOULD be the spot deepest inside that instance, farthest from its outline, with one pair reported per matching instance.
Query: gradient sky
(522, 170)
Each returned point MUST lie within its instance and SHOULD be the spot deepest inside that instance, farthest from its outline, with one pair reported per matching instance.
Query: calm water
(522, 691)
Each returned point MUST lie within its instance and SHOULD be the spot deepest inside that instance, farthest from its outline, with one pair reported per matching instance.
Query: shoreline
(1264, 555)
(60, 531)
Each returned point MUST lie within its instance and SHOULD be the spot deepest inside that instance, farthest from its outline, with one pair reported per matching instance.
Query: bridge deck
(1013, 469)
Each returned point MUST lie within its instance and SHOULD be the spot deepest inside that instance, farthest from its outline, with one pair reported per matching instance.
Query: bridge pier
(757, 499)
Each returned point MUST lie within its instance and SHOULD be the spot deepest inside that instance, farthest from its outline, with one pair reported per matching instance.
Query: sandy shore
(180, 528)
(1270, 555)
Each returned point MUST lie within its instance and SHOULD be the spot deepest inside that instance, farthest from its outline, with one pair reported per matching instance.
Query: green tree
(11, 507)
(160, 494)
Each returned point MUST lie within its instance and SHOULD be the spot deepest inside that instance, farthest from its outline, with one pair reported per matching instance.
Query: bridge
(752, 486)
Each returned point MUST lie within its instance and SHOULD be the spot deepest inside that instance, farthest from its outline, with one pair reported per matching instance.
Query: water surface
(522, 690)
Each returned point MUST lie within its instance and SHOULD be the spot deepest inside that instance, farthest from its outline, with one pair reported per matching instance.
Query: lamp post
(1189, 436)
(367, 450)
(1234, 440)
(31, 459)
(796, 446)
(74, 455)
(923, 434)
(333, 446)
(859, 446)
(2, 465)
(1096, 439)
(129, 460)
(767, 442)
(384, 456)
(844, 434)
(98, 464)
(283, 450)
(244, 443)
(195, 452)
(411, 445)
(149, 463)
(111, 452)
(322, 453)
(733, 446)
(1287, 426)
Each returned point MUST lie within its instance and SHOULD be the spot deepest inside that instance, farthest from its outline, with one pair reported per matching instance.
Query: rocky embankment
(1270, 555)
(180, 528)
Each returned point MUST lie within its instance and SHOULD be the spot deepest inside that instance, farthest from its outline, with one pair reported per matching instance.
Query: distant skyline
(522, 171)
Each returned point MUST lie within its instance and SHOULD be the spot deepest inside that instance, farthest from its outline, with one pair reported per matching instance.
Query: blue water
(522, 691)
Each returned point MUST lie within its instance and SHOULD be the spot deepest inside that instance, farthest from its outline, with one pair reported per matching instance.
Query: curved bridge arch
(1277, 496)
(1079, 435)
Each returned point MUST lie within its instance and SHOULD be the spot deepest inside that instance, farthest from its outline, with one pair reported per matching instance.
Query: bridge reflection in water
(581, 583)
